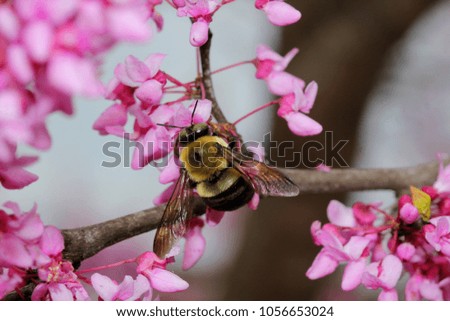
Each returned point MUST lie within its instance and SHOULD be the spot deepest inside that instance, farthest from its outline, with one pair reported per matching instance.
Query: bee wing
(173, 222)
(267, 181)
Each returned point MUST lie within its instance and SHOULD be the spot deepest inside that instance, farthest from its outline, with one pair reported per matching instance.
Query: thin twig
(207, 81)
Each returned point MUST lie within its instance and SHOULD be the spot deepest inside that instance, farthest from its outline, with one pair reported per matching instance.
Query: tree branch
(82, 243)
(355, 179)
(207, 81)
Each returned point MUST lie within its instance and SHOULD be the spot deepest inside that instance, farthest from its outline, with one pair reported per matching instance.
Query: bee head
(192, 133)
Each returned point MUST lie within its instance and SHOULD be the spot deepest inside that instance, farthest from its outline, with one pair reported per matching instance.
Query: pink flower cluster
(49, 53)
(152, 274)
(201, 12)
(377, 248)
(27, 245)
(138, 88)
(296, 99)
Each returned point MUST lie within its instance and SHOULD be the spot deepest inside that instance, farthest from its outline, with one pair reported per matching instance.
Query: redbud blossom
(48, 53)
(278, 12)
(154, 269)
(195, 243)
(296, 100)
(128, 290)
(406, 243)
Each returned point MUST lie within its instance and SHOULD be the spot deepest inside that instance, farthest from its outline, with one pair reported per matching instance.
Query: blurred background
(383, 70)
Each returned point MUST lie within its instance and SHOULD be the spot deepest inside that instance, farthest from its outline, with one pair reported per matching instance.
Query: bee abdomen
(227, 193)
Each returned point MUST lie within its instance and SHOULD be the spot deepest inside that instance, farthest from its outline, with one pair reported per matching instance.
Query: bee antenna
(193, 112)
(170, 126)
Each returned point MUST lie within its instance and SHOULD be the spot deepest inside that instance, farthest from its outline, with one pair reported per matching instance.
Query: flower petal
(38, 39)
(340, 215)
(52, 241)
(59, 292)
(353, 274)
(302, 125)
(321, 266)
(355, 246)
(194, 246)
(388, 295)
(165, 281)
(391, 270)
(150, 92)
(112, 118)
(281, 13)
(16, 178)
(170, 173)
(106, 288)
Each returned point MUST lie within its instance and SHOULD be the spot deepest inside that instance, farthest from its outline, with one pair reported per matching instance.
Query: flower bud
(281, 14)
(199, 33)
(409, 213)
(405, 251)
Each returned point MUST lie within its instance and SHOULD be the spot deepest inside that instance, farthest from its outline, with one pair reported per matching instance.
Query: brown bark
(343, 44)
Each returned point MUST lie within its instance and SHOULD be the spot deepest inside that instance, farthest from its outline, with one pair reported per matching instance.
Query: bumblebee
(213, 164)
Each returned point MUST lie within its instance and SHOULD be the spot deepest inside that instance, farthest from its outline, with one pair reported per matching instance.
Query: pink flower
(48, 53)
(405, 251)
(296, 100)
(154, 269)
(128, 290)
(294, 105)
(13, 176)
(335, 252)
(10, 279)
(201, 12)
(409, 213)
(442, 184)
(26, 245)
(195, 243)
(268, 61)
(138, 79)
(60, 283)
(278, 12)
(439, 236)
(385, 275)
(364, 214)
(340, 215)
(419, 286)
(395, 243)
(19, 236)
(199, 32)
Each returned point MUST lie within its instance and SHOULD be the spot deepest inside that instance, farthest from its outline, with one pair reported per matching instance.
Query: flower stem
(231, 66)
(84, 279)
(176, 81)
(273, 102)
(103, 267)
